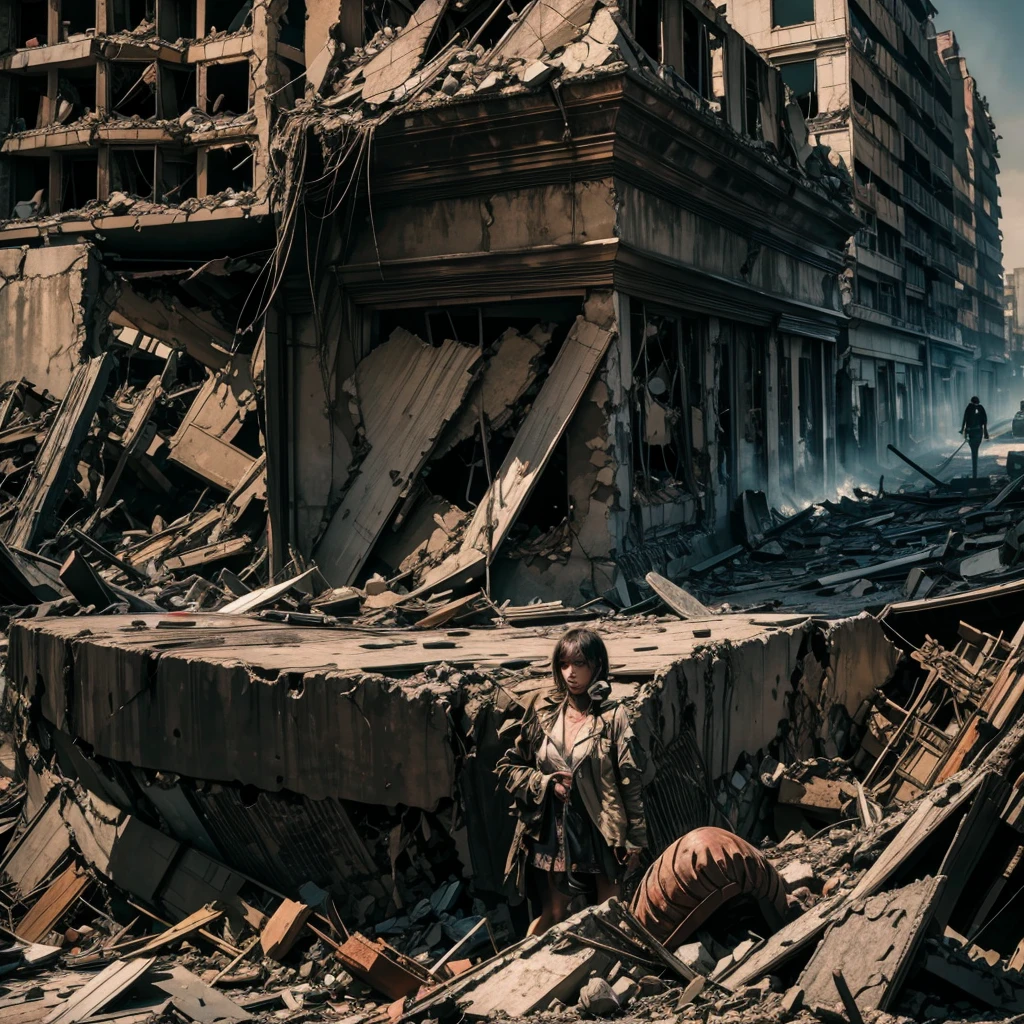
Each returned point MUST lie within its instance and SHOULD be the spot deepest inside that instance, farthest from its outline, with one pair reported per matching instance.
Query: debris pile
(864, 550)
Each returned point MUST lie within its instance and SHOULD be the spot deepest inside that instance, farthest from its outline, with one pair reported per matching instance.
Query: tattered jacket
(608, 772)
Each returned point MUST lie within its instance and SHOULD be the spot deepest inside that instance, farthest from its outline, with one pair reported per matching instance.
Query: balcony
(940, 327)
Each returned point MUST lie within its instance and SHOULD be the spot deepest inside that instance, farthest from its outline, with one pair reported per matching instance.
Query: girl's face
(576, 673)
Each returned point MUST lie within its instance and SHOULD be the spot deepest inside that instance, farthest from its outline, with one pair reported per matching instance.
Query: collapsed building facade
(604, 248)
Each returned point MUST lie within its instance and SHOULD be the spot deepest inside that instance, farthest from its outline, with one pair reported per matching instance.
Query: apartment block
(870, 78)
(161, 108)
(976, 227)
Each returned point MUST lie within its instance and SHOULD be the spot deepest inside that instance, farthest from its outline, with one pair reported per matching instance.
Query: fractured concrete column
(53, 316)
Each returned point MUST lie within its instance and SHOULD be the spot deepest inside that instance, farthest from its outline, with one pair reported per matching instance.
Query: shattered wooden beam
(407, 391)
(570, 374)
(174, 326)
(58, 456)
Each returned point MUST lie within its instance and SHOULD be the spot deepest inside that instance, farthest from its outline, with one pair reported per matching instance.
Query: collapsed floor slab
(307, 721)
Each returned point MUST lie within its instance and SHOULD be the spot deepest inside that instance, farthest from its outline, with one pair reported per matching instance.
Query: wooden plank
(87, 586)
(208, 553)
(683, 603)
(23, 581)
(52, 905)
(283, 929)
(195, 999)
(58, 455)
(972, 839)
(39, 849)
(189, 926)
(264, 595)
(132, 438)
(210, 458)
(171, 325)
(407, 391)
(570, 375)
(874, 944)
(100, 991)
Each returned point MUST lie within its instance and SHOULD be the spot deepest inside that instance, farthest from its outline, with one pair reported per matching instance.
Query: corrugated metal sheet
(285, 840)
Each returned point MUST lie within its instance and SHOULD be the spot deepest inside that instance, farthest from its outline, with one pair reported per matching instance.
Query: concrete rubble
(230, 795)
(468, 322)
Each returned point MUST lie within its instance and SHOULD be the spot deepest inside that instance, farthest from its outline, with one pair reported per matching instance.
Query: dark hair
(583, 642)
(975, 398)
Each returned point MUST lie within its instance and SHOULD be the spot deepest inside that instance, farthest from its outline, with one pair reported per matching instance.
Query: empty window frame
(227, 168)
(78, 180)
(752, 77)
(801, 77)
(226, 16)
(133, 89)
(76, 94)
(129, 14)
(29, 175)
(30, 102)
(791, 12)
(133, 171)
(30, 21)
(227, 88)
(77, 16)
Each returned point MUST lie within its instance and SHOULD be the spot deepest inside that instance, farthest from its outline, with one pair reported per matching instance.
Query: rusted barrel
(698, 874)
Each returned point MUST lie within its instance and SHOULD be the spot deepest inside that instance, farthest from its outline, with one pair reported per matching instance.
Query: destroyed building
(569, 280)
(979, 242)
(876, 88)
(137, 113)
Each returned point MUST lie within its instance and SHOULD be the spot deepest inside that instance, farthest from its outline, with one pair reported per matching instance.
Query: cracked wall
(48, 302)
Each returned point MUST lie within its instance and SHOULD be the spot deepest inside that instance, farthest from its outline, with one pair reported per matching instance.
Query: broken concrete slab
(874, 944)
(406, 392)
(54, 462)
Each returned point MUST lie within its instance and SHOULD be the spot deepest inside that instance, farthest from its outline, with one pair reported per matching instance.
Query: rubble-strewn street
(484, 527)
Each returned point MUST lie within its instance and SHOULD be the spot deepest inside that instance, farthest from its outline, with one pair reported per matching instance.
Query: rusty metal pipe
(696, 876)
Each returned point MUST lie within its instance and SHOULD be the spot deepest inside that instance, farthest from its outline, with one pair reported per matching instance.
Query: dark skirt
(586, 851)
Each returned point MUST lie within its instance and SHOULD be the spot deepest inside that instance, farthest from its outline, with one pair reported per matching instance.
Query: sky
(991, 35)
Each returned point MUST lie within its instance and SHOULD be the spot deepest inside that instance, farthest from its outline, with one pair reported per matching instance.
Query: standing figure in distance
(575, 774)
(974, 427)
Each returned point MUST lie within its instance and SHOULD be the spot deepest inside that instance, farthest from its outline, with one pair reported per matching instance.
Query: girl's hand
(629, 859)
(563, 780)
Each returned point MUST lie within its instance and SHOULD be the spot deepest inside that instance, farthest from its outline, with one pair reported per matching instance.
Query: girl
(574, 772)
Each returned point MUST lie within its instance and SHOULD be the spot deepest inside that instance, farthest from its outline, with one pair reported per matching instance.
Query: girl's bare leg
(554, 908)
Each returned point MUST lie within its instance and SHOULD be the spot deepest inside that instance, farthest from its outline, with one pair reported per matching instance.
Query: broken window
(132, 171)
(31, 22)
(226, 16)
(30, 102)
(801, 77)
(668, 425)
(889, 242)
(129, 14)
(867, 236)
(133, 89)
(292, 28)
(697, 53)
(174, 90)
(867, 292)
(76, 94)
(78, 180)
(229, 167)
(227, 88)
(77, 17)
(175, 19)
(647, 28)
(752, 94)
(791, 12)
(31, 174)
(177, 179)
(889, 298)
(749, 389)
